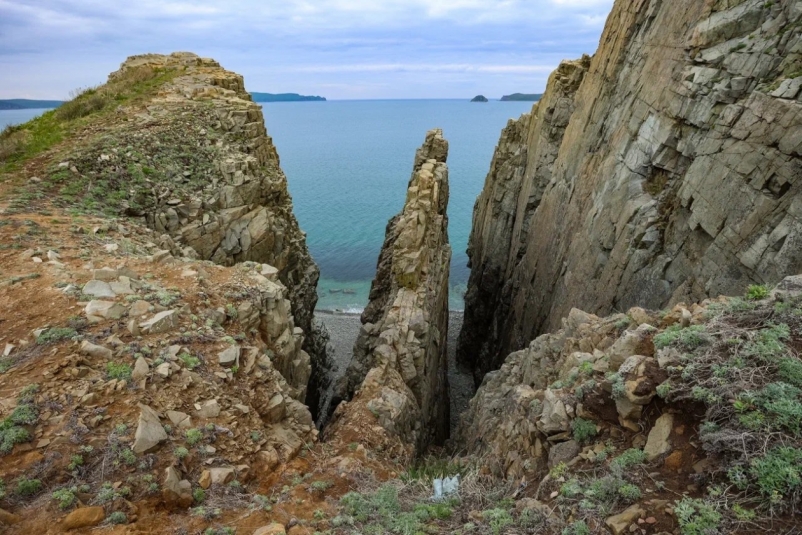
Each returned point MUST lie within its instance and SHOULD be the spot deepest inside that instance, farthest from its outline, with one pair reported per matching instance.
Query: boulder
(84, 517)
(97, 288)
(658, 444)
(176, 492)
(563, 452)
(221, 475)
(230, 357)
(160, 323)
(105, 309)
(92, 350)
(141, 369)
(149, 432)
(620, 523)
(271, 529)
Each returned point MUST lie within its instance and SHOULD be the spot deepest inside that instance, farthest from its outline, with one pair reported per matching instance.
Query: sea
(348, 163)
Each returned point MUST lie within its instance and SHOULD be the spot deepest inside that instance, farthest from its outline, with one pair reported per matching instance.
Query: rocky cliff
(187, 151)
(664, 169)
(400, 358)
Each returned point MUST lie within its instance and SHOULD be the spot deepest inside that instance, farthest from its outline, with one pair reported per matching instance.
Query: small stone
(88, 348)
(133, 327)
(209, 409)
(161, 322)
(563, 452)
(657, 443)
(163, 370)
(53, 255)
(104, 309)
(149, 432)
(271, 529)
(8, 349)
(620, 523)
(139, 308)
(221, 475)
(122, 287)
(161, 256)
(205, 480)
(84, 517)
(111, 247)
(105, 274)
(179, 419)
(229, 357)
(176, 492)
(36, 260)
(141, 369)
(98, 288)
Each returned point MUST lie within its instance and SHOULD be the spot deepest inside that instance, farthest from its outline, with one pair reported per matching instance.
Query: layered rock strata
(664, 169)
(400, 360)
(202, 171)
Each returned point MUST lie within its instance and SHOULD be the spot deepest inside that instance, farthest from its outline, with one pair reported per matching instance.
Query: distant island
(522, 97)
(285, 97)
(25, 104)
(479, 98)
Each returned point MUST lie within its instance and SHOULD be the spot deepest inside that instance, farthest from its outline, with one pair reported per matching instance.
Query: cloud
(303, 45)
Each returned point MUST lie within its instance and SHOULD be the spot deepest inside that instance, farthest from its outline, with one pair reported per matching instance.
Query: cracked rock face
(205, 175)
(664, 169)
(400, 356)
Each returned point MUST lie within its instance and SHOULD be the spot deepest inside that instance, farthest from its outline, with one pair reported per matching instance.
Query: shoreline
(340, 312)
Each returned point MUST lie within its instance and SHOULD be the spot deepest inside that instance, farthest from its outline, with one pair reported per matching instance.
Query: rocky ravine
(664, 169)
(400, 356)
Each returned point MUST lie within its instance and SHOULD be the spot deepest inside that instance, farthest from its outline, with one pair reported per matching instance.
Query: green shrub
(117, 517)
(320, 486)
(577, 528)
(10, 435)
(189, 361)
(767, 344)
(663, 389)
(629, 492)
(781, 403)
(756, 292)
(584, 430)
(118, 370)
(193, 436)
(24, 414)
(28, 487)
(688, 338)
(779, 472)
(697, 517)
(790, 370)
(65, 497)
(198, 495)
(56, 334)
(498, 519)
(629, 458)
(181, 453)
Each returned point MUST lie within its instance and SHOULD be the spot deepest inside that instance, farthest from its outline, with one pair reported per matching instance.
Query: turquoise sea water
(348, 164)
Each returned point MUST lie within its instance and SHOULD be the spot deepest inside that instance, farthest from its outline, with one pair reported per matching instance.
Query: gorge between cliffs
(632, 322)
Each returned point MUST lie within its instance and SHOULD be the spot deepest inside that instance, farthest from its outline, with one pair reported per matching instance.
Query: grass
(118, 370)
(56, 334)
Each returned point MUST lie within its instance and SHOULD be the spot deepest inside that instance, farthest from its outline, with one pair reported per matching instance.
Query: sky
(340, 49)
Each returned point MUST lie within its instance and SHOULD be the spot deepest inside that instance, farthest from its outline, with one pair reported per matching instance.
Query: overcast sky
(340, 49)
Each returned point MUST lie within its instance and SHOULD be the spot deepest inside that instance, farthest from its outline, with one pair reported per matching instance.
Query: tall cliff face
(675, 177)
(400, 358)
(192, 156)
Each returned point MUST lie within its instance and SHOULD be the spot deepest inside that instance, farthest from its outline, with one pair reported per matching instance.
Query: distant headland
(479, 98)
(285, 97)
(522, 97)
(26, 104)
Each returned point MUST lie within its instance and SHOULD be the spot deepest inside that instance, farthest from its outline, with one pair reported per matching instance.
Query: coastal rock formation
(400, 359)
(196, 162)
(504, 208)
(479, 98)
(663, 170)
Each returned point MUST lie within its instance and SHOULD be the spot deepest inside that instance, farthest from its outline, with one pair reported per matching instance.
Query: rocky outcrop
(400, 358)
(675, 177)
(503, 211)
(200, 168)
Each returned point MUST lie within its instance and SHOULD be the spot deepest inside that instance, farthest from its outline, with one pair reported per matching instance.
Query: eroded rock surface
(205, 175)
(663, 170)
(399, 364)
